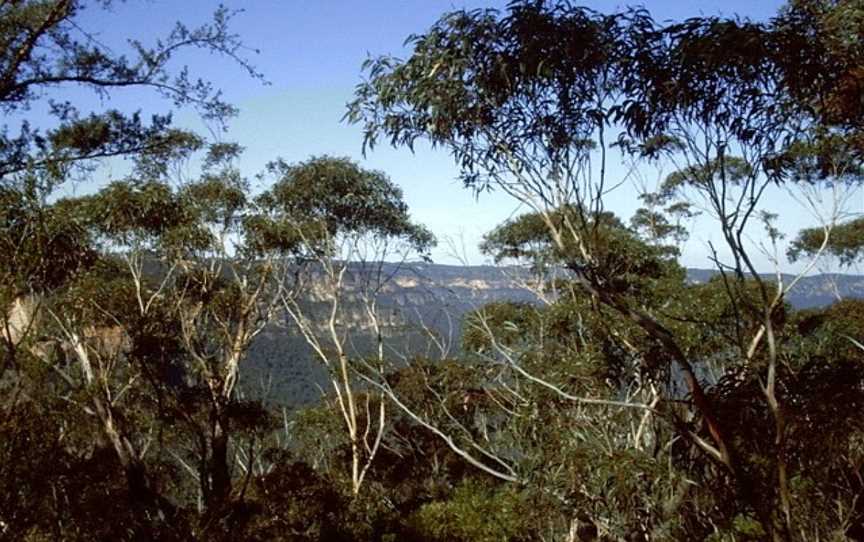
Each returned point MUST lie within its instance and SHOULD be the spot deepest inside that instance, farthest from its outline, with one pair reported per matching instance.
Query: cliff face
(281, 365)
(418, 299)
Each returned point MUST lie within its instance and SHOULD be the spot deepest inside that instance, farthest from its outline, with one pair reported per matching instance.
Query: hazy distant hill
(437, 286)
(418, 296)
(811, 291)
(460, 287)
(437, 297)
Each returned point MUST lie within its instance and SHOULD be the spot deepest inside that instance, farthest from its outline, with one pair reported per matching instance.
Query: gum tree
(347, 223)
(68, 314)
(538, 100)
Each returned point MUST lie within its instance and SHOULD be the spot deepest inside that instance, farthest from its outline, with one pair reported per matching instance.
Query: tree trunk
(155, 515)
(219, 474)
(216, 480)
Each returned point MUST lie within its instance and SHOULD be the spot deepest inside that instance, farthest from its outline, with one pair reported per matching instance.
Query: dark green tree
(538, 99)
(71, 277)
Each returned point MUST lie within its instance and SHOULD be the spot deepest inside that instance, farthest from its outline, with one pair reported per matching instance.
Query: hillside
(811, 291)
(282, 367)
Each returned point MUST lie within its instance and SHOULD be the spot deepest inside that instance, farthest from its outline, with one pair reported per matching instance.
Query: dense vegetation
(625, 404)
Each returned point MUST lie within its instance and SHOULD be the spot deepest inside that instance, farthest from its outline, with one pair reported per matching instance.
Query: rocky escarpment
(419, 298)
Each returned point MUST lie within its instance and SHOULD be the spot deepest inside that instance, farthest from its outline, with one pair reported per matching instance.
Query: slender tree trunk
(217, 479)
(155, 515)
(221, 478)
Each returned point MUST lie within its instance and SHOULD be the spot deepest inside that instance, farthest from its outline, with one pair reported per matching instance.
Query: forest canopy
(616, 400)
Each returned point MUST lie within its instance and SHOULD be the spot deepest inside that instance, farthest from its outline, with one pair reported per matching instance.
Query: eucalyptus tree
(70, 312)
(537, 101)
(149, 337)
(49, 61)
(348, 223)
(46, 49)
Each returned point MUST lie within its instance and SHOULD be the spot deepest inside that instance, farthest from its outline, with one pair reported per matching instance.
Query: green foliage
(481, 84)
(126, 211)
(845, 242)
(43, 249)
(603, 247)
(474, 512)
(513, 323)
(298, 504)
(217, 199)
(528, 237)
(728, 171)
(523, 99)
(327, 197)
(630, 405)
(41, 48)
(825, 39)
(657, 227)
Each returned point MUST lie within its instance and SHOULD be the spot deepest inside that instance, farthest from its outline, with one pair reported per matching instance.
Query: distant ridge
(282, 367)
(812, 291)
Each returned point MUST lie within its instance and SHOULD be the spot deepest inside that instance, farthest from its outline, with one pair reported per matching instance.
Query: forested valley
(602, 394)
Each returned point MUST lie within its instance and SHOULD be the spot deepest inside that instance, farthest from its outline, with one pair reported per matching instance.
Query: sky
(310, 53)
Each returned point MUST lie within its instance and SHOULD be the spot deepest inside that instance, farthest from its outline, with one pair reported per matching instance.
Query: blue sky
(311, 52)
